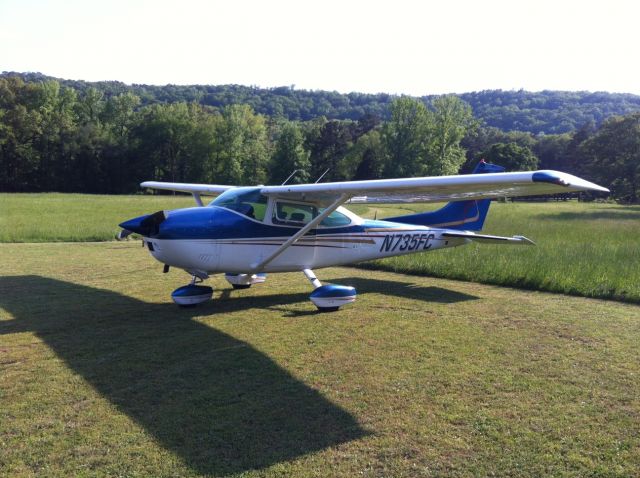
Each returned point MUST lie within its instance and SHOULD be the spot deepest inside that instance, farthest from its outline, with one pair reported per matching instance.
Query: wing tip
(566, 180)
(525, 240)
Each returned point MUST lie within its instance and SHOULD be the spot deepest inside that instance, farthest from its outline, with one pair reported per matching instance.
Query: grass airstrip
(586, 249)
(101, 375)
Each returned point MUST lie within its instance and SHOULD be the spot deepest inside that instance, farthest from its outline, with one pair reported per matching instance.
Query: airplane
(247, 232)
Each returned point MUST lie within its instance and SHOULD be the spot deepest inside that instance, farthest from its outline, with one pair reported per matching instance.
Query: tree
(452, 120)
(289, 155)
(511, 156)
(480, 139)
(329, 148)
(177, 141)
(612, 155)
(55, 142)
(20, 126)
(405, 137)
(90, 106)
(119, 112)
(551, 150)
(574, 162)
(241, 146)
(366, 159)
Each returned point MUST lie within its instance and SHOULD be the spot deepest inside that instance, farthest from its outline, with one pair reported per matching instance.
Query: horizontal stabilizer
(520, 240)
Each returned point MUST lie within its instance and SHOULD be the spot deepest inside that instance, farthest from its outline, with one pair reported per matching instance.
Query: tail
(463, 215)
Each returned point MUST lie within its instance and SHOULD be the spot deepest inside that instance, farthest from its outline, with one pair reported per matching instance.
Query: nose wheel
(329, 297)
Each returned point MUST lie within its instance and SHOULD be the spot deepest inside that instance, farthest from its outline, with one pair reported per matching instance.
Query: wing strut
(293, 239)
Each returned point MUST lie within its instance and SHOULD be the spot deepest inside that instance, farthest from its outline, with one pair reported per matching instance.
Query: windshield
(247, 201)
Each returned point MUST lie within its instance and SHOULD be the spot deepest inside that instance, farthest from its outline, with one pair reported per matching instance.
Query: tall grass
(582, 249)
(54, 217)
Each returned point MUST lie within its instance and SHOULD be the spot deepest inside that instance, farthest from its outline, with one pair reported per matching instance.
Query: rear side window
(292, 214)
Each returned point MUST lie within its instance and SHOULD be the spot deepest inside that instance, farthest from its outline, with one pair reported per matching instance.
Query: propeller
(123, 234)
(147, 226)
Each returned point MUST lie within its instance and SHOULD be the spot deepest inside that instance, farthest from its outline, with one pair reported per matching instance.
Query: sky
(397, 46)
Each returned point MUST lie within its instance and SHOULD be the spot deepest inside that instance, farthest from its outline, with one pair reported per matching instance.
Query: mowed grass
(587, 249)
(101, 375)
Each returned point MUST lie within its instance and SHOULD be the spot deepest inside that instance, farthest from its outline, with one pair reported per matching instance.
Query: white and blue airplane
(246, 232)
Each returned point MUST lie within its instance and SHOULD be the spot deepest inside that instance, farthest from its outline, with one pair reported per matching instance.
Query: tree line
(548, 112)
(58, 138)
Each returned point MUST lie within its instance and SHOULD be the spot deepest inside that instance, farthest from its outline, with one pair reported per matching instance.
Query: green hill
(548, 112)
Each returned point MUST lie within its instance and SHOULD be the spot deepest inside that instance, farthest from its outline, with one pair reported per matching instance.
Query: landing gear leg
(329, 297)
(312, 278)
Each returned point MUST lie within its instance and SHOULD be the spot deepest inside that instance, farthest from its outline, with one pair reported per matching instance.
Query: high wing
(195, 189)
(209, 189)
(438, 188)
(423, 189)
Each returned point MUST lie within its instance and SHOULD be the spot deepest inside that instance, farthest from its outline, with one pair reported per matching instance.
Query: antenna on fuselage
(322, 175)
(290, 176)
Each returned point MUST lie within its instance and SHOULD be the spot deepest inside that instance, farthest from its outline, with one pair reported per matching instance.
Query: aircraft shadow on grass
(219, 404)
(408, 290)
(231, 300)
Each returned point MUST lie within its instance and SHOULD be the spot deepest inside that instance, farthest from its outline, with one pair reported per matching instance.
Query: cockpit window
(245, 201)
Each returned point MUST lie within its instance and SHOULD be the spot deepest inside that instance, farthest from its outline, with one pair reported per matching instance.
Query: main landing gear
(192, 294)
(329, 297)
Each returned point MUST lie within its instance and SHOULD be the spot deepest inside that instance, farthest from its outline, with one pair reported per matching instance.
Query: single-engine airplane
(246, 232)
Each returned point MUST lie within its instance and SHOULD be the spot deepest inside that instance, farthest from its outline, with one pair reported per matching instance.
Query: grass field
(590, 249)
(100, 375)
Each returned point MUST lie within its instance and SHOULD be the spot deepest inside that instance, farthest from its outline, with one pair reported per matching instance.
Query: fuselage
(219, 239)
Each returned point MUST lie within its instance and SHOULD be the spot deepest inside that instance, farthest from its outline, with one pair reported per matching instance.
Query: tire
(241, 286)
(328, 309)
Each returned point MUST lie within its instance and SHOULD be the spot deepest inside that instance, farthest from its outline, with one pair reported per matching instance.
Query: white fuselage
(239, 255)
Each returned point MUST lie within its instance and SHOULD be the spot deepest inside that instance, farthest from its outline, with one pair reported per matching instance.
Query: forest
(106, 137)
(548, 112)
